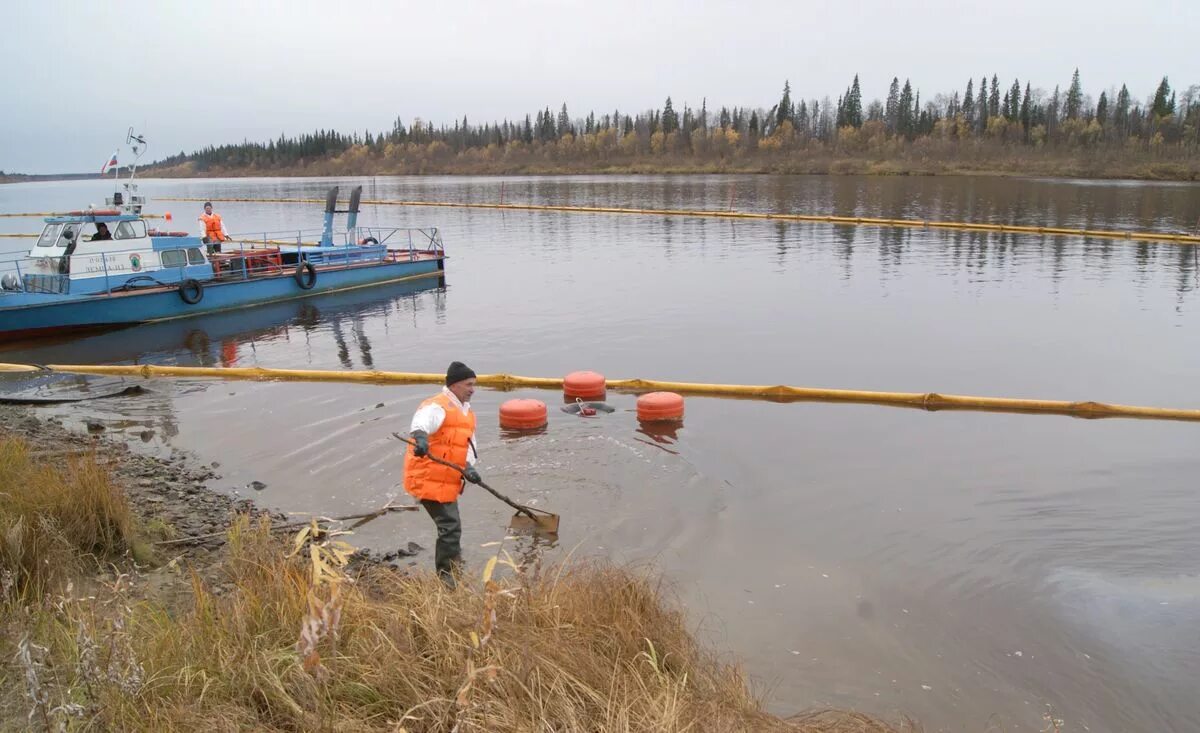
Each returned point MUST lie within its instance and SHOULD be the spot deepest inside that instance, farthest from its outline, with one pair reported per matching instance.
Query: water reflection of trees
(988, 255)
(982, 255)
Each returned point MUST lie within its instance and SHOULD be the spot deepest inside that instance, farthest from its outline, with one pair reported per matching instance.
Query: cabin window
(173, 258)
(58, 235)
(194, 256)
(130, 230)
(50, 235)
(70, 234)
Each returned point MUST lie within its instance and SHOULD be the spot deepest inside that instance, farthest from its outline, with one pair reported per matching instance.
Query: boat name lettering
(115, 263)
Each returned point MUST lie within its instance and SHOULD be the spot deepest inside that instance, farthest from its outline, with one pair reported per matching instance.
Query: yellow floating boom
(778, 393)
(42, 214)
(769, 216)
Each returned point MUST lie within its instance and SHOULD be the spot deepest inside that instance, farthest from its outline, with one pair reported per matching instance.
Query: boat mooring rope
(767, 216)
(931, 401)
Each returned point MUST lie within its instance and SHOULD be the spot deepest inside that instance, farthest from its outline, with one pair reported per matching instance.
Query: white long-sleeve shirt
(430, 418)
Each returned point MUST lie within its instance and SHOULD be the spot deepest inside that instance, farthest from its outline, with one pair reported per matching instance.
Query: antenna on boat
(137, 143)
(129, 200)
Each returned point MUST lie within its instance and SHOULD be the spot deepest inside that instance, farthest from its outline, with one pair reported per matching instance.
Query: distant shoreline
(1177, 171)
(37, 177)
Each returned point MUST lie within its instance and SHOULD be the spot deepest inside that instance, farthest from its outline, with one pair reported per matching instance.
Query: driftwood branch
(361, 520)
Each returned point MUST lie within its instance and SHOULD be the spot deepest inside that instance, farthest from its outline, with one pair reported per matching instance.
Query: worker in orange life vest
(214, 229)
(444, 427)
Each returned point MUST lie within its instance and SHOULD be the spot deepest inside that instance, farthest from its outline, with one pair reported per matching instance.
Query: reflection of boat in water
(214, 338)
(100, 268)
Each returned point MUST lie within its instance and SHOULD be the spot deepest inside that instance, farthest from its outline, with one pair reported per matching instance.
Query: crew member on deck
(214, 229)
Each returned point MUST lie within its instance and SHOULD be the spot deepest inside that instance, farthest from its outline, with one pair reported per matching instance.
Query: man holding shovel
(444, 427)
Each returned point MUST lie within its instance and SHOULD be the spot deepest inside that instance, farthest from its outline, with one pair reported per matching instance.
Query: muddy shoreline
(170, 496)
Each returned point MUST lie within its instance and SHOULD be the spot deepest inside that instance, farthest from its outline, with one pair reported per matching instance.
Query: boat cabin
(99, 250)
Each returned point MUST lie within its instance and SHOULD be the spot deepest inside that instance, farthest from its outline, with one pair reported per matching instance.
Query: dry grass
(584, 647)
(53, 518)
(588, 647)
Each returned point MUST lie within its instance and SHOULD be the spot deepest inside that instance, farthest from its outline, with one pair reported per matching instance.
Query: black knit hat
(457, 372)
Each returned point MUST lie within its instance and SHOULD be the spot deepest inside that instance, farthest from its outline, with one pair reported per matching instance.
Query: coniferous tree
(564, 122)
(1052, 112)
(670, 120)
(854, 109)
(994, 98)
(783, 111)
(1164, 100)
(891, 110)
(968, 105)
(1074, 105)
(1102, 109)
(1121, 113)
(905, 123)
(981, 104)
(1026, 111)
(822, 119)
(1014, 102)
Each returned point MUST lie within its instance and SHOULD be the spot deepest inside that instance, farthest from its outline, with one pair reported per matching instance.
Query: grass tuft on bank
(57, 514)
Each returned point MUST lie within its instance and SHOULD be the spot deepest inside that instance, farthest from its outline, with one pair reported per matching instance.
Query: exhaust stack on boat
(331, 208)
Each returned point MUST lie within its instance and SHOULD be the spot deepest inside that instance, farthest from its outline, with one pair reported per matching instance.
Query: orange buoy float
(584, 386)
(523, 414)
(660, 406)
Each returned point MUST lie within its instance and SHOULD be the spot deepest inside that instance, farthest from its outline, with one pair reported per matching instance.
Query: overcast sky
(75, 76)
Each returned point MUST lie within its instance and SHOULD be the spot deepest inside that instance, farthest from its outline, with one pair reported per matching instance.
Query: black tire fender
(191, 291)
(306, 275)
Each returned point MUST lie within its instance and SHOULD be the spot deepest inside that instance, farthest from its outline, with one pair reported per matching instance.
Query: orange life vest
(212, 227)
(425, 479)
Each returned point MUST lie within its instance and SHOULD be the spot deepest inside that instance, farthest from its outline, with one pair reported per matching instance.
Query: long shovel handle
(523, 509)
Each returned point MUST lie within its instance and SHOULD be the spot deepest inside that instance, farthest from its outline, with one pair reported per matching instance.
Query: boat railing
(390, 243)
(17, 274)
(52, 273)
(246, 256)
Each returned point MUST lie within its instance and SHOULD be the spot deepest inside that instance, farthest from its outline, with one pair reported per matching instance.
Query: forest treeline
(991, 126)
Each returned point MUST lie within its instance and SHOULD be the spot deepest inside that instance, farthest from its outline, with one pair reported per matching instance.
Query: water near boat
(959, 567)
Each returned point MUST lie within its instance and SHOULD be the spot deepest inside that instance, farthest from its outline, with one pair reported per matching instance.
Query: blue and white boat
(70, 280)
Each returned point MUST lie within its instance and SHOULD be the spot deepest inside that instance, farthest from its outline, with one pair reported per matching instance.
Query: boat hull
(121, 309)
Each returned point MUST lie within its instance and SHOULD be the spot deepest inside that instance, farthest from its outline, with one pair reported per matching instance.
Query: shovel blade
(542, 524)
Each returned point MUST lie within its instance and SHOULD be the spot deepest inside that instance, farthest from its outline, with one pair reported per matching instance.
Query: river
(968, 569)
